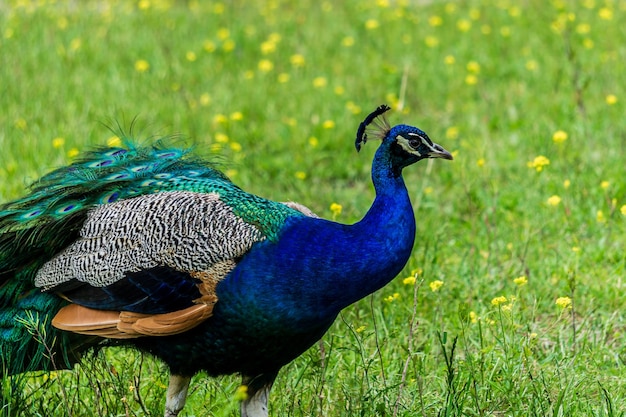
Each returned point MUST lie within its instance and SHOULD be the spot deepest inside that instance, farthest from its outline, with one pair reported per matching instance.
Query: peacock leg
(176, 394)
(255, 405)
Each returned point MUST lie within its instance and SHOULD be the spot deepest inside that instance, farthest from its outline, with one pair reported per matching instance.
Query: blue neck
(385, 235)
(318, 267)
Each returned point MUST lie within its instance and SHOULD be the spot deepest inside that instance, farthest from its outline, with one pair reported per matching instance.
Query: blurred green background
(520, 248)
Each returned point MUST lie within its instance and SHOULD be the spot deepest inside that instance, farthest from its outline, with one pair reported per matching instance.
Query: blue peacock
(156, 248)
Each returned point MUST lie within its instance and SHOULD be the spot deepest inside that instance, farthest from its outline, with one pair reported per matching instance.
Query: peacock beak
(439, 152)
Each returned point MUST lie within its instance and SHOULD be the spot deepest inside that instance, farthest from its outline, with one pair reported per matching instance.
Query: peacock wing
(154, 260)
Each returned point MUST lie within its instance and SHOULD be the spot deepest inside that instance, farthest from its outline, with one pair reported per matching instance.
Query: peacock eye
(414, 143)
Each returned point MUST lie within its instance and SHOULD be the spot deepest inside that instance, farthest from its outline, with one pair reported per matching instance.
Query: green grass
(491, 80)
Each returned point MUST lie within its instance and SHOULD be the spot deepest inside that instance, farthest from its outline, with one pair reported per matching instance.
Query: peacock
(153, 247)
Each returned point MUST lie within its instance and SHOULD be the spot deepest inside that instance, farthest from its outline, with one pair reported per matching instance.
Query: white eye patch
(404, 143)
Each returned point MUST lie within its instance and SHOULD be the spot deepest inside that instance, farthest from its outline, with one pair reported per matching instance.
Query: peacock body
(158, 249)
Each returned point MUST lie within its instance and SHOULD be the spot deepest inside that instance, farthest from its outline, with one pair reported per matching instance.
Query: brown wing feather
(127, 325)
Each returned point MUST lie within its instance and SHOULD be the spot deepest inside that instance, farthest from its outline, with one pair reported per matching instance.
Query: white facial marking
(404, 144)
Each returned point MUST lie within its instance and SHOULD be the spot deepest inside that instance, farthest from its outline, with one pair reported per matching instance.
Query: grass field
(512, 304)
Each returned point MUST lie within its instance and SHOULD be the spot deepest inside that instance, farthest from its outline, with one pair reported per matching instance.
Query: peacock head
(406, 144)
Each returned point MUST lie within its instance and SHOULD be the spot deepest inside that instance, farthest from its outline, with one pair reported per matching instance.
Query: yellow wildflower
(605, 13)
(62, 23)
(265, 65)
(336, 208)
(236, 116)
(223, 33)
(567, 183)
(473, 317)
(471, 79)
(623, 209)
(353, 107)
(600, 217)
(498, 301)
(348, 41)
(209, 46)
(464, 25)
(452, 132)
(392, 297)
(58, 142)
(417, 272)
(297, 60)
(301, 175)
(372, 24)
(605, 184)
(268, 47)
(611, 99)
(236, 147)
(328, 124)
(450, 8)
(473, 67)
(449, 60)
(319, 82)
(589, 4)
(539, 162)
(141, 65)
(218, 8)
(564, 302)
(435, 285)
(583, 28)
(360, 329)
(521, 280)
(409, 280)
(191, 56)
(431, 41)
(481, 162)
(75, 44)
(73, 153)
(205, 99)
(531, 65)
(274, 37)
(220, 119)
(559, 136)
(228, 45)
(221, 137)
(555, 200)
(435, 21)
